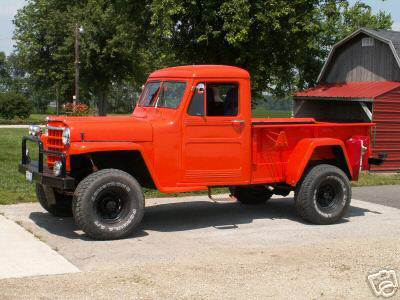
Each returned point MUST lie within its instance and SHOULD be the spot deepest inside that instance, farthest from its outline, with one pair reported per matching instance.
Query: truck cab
(201, 119)
(192, 130)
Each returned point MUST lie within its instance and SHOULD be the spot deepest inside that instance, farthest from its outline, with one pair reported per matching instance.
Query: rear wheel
(108, 204)
(61, 206)
(324, 195)
(251, 195)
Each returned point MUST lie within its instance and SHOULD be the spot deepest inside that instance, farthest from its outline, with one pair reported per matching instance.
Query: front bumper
(43, 174)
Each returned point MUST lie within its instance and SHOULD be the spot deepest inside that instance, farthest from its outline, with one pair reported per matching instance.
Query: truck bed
(273, 141)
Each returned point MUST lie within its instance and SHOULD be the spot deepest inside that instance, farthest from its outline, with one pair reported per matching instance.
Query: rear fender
(303, 152)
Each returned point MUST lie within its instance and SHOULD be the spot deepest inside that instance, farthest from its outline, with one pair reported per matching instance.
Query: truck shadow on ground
(190, 215)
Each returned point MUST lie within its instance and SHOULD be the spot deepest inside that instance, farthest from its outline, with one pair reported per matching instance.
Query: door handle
(238, 121)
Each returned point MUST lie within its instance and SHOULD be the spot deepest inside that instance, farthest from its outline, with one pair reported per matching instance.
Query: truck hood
(103, 129)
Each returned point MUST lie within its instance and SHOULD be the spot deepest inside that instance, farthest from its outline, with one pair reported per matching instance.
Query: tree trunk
(102, 101)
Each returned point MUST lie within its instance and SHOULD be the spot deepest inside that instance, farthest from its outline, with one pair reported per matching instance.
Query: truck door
(214, 135)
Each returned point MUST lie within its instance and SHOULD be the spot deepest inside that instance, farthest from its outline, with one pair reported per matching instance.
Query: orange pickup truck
(192, 130)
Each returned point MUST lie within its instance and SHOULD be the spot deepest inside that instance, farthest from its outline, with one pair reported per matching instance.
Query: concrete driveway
(388, 195)
(23, 254)
(194, 248)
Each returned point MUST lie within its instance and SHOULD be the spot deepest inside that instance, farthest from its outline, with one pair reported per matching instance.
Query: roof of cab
(201, 71)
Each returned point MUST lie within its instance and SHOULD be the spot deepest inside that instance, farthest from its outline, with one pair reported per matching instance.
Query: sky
(8, 8)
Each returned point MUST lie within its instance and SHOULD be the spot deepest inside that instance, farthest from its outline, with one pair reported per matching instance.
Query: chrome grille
(54, 143)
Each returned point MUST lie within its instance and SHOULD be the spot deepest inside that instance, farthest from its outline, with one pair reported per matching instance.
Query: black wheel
(108, 204)
(251, 195)
(63, 203)
(324, 195)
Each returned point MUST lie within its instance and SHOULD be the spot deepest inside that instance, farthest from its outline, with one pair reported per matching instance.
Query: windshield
(167, 94)
(171, 94)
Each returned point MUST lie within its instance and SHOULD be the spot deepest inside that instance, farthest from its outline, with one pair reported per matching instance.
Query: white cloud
(8, 8)
(396, 26)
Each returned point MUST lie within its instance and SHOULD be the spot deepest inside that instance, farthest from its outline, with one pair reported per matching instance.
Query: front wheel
(324, 195)
(108, 204)
(61, 206)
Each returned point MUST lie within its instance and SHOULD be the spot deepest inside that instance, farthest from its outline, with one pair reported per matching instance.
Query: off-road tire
(62, 207)
(251, 195)
(323, 195)
(94, 194)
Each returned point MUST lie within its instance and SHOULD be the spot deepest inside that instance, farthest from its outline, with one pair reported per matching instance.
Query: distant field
(265, 113)
(33, 119)
(14, 188)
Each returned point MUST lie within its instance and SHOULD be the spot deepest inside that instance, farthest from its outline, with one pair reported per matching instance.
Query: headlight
(34, 130)
(57, 168)
(66, 136)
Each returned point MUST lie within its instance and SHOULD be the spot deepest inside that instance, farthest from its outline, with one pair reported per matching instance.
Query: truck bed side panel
(273, 144)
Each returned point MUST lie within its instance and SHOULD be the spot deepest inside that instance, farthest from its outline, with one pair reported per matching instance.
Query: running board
(229, 199)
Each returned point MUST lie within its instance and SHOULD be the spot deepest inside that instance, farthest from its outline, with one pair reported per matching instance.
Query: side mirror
(200, 88)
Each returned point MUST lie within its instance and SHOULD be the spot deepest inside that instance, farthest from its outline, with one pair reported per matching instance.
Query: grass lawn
(367, 179)
(14, 188)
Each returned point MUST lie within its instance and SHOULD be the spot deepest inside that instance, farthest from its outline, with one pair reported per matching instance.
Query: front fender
(302, 153)
(78, 148)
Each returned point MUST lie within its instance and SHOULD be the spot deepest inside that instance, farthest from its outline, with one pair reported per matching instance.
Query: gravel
(193, 248)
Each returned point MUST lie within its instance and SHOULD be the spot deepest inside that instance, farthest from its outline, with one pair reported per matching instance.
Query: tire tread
(77, 203)
(303, 190)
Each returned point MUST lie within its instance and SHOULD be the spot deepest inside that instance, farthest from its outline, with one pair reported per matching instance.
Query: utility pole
(58, 98)
(77, 62)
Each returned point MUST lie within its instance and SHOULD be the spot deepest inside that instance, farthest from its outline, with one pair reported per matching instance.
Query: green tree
(282, 43)
(44, 45)
(110, 50)
(4, 74)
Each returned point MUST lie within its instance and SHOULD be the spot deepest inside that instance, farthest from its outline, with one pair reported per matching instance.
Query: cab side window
(222, 99)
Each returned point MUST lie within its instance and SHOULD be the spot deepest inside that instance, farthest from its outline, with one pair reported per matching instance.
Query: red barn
(360, 82)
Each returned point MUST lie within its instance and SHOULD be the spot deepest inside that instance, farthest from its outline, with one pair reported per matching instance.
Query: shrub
(13, 104)
(77, 109)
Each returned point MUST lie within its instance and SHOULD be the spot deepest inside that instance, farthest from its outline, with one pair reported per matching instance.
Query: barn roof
(349, 91)
(390, 37)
